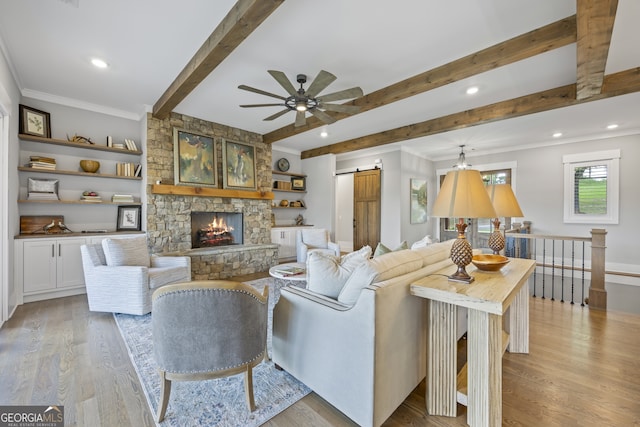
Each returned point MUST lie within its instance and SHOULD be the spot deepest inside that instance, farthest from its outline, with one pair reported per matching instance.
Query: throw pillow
(131, 251)
(382, 249)
(327, 274)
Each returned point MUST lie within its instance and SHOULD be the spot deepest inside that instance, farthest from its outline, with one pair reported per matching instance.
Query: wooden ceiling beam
(535, 42)
(595, 19)
(244, 17)
(617, 84)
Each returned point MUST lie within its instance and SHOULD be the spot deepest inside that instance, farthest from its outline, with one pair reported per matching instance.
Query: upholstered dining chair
(314, 239)
(208, 329)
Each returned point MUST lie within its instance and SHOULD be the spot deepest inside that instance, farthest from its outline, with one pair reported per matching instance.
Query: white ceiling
(371, 44)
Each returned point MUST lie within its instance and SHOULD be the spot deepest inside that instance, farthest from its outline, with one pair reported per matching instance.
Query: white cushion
(425, 241)
(130, 251)
(327, 274)
(378, 269)
(434, 252)
(315, 238)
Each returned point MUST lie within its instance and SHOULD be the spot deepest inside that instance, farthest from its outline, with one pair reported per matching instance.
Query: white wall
(344, 212)
(415, 167)
(540, 194)
(320, 197)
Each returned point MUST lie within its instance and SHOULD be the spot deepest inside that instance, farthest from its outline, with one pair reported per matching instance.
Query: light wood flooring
(583, 370)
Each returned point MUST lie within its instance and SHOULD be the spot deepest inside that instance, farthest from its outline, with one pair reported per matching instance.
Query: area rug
(218, 402)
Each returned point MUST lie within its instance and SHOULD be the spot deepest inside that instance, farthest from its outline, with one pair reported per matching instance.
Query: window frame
(608, 158)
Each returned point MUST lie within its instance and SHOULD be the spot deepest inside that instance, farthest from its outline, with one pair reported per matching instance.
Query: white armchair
(316, 239)
(120, 276)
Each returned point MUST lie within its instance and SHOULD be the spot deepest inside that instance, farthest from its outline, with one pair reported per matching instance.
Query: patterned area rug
(219, 402)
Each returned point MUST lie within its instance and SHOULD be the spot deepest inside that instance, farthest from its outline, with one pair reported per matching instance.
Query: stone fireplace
(210, 229)
(170, 216)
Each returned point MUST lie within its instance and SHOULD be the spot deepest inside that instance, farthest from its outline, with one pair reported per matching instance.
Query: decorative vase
(90, 166)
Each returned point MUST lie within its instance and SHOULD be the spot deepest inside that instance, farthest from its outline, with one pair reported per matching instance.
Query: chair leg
(164, 395)
(248, 388)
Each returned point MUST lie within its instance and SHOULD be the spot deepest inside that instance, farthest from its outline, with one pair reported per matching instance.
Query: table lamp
(506, 205)
(462, 195)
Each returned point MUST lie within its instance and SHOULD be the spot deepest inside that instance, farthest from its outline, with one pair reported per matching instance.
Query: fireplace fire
(215, 229)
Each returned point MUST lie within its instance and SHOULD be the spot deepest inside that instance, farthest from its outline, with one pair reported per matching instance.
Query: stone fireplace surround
(169, 216)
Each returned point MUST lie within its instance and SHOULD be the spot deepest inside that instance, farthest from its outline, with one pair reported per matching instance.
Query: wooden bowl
(489, 262)
(90, 166)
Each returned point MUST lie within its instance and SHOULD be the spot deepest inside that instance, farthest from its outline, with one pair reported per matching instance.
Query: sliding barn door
(366, 209)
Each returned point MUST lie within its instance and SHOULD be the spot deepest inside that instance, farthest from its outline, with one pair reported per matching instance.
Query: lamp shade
(504, 201)
(463, 195)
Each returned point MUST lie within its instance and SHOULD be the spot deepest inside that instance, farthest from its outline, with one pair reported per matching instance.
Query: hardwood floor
(583, 370)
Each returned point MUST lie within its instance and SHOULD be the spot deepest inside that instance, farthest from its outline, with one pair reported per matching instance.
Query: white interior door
(344, 212)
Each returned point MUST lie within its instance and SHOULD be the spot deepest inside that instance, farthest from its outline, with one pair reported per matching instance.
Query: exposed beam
(617, 84)
(242, 19)
(595, 20)
(543, 39)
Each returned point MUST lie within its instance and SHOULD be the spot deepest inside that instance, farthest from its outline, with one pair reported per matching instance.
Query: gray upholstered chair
(208, 329)
(120, 276)
(314, 239)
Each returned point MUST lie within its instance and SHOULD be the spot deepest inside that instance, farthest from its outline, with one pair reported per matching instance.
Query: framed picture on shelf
(298, 183)
(239, 165)
(418, 201)
(34, 122)
(128, 218)
(194, 162)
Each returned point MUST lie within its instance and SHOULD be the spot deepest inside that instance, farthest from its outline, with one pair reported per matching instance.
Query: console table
(494, 300)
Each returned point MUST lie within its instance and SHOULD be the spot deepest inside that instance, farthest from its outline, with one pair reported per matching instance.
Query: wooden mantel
(182, 190)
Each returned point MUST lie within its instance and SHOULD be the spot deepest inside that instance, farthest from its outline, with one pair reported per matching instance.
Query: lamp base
(496, 239)
(461, 255)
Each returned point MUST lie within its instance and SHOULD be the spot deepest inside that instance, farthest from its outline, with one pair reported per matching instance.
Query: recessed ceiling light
(99, 63)
(557, 134)
(612, 126)
(324, 134)
(472, 90)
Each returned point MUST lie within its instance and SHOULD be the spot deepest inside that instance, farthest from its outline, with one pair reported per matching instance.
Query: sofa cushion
(381, 249)
(327, 274)
(425, 241)
(130, 251)
(434, 252)
(378, 269)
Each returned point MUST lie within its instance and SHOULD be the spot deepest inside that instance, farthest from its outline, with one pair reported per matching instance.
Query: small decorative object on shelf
(79, 139)
(299, 220)
(91, 196)
(284, 203)
(42, 189)
(90, 166)
(283, 165)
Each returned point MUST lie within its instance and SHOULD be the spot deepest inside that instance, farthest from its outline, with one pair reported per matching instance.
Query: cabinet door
(39, 265)
(69, 263)
(289, 244)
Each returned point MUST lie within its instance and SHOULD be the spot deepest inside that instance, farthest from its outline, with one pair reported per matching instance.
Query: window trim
(610, 158)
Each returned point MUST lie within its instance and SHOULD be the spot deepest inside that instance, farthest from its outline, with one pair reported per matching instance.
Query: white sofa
(365, 358)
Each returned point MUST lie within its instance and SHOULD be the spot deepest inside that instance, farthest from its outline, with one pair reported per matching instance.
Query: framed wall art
(34, 122)
(299, 183)
(418, 201)
(194, 162)
(128, 218)
(239, 165)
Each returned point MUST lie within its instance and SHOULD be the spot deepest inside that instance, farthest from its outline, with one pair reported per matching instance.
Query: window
(591, 187)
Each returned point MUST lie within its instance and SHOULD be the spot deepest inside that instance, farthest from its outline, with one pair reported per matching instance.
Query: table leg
(441, 359)
(484, 358)
(517, 322)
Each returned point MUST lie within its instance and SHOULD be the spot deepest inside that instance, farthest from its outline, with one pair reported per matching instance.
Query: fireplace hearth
(210, 229)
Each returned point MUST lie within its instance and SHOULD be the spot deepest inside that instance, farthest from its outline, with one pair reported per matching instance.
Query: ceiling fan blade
(322, 80)
(276, 115)
(301, 120)
(284, 82)
(322, 116)
(262, 105)
(261, 92)
(349, 109)
(354, 92)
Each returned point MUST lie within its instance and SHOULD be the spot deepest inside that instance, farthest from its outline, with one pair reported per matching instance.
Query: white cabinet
(47, 265)
(285, 237)
(51, 267)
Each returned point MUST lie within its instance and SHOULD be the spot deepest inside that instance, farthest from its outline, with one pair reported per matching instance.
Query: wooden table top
(492, 291)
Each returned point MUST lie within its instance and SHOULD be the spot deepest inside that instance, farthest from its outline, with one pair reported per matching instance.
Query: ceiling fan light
(301, 106)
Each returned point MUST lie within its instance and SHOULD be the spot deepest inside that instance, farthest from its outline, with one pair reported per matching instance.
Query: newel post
(597, 292)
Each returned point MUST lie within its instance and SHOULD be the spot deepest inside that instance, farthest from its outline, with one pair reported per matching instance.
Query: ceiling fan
(302, 100)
